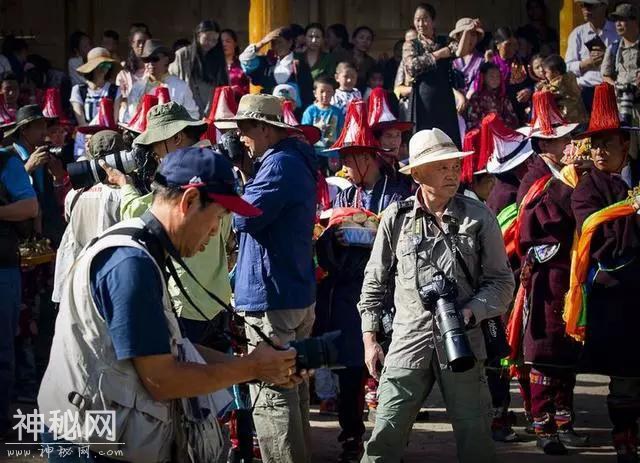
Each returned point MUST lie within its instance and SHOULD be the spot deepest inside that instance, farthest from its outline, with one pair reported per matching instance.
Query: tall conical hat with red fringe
(604, 113)
(504, 147)
(52, 106)
(356, 136)
(6, 119)
(547, 120)
(474, 164)
(380, 117)
(104, 119)
(138, 122)
(162, 93)
(310, 132)
(223, 105)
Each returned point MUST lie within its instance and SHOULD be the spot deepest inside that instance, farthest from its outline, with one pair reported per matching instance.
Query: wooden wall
(51, 21)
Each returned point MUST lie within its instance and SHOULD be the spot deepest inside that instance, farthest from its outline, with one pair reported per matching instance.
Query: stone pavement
(433, 441)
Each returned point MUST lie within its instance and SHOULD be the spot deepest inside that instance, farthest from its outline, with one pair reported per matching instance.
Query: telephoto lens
(440, 296)
(319, 352)
(85, 174)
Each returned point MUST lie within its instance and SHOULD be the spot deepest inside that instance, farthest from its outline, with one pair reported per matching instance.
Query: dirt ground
(433, 441)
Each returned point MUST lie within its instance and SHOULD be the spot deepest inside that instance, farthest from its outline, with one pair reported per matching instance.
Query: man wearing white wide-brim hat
(438, 230)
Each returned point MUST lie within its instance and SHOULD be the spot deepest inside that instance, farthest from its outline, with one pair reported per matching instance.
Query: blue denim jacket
(275, 267)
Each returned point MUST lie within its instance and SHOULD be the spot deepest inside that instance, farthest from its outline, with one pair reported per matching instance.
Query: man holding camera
(170, 127)
(275, 281)
(118, 345)
(448, 259)
(89, 211)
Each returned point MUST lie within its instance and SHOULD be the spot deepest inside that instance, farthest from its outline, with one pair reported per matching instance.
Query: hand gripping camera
(439, 296)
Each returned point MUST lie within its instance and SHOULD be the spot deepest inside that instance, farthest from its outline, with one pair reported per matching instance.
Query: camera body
(85, 174)
(231, 147)
(318, 352)
(439, 297)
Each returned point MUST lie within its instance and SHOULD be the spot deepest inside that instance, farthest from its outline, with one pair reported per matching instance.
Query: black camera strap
(158, 231)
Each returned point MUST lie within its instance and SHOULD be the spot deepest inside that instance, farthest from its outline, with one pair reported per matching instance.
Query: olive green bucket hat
(166, 120)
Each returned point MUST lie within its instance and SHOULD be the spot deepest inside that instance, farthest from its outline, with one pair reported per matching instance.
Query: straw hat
(96, 57)
(431, 145)
(262, 108)
(547, 121)
(465, 24)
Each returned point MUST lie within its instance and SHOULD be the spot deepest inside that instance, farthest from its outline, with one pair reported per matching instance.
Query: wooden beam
(570, 18)
(265, 16)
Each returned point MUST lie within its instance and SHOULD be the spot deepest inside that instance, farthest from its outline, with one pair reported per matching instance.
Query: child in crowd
(322, 114)
(347, 77)
(10, 89)
(375, 79)
(536, 72)
(564, 86)
(491, 97)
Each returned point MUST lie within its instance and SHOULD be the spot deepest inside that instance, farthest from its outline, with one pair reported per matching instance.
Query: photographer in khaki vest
(117, 345)
(446, 254)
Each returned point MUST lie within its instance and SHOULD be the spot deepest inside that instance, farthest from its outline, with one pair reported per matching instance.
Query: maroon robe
(613, 312)
(548, 220)
(537, 169)
(503, 193)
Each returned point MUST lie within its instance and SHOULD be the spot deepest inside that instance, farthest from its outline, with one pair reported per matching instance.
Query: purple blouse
(238, 80)
(471, 70)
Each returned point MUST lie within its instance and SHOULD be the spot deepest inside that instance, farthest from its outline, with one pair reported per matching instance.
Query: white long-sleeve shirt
(577, 51)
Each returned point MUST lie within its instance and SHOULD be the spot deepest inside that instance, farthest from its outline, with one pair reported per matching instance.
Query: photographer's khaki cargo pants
(402, 392)
(281, 416)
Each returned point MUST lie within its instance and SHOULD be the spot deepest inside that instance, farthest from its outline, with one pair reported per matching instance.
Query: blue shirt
(16, 180)
(329, 120)
(127, 290)
(275, 267)
(577, 50)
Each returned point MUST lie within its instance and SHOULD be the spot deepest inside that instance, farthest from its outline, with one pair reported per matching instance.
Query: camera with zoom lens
(231, 147)
(85, 174)
(439, 297)
(319, 352)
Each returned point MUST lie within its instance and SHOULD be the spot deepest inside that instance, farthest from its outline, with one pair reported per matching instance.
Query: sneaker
(505, 434)
(571, 438)
(328, 407)
(352, 450)
(551, 445)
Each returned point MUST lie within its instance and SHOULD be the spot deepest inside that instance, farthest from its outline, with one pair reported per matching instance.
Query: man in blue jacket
(275, 283)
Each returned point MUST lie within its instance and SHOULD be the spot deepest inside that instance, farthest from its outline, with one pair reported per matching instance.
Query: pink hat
(52, 106)
(138, 122)
(162, 93)
(356, 136)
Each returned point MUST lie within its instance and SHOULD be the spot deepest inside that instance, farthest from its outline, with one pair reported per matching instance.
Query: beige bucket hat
(431, 145)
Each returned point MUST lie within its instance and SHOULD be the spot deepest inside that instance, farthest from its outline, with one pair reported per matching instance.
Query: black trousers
(351, 402)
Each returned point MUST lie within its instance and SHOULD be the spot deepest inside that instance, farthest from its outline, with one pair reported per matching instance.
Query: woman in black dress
(427, 61)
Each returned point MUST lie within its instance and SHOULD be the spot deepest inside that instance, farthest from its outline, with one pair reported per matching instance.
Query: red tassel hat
(311, 133)
(604, 113)
(162, 93)
(380, 116)
(474, 164)
(138, 122)
(223, 106)
(547, 121)
(505, 148)
(52, 106)
(356, 136)
(104, 119)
